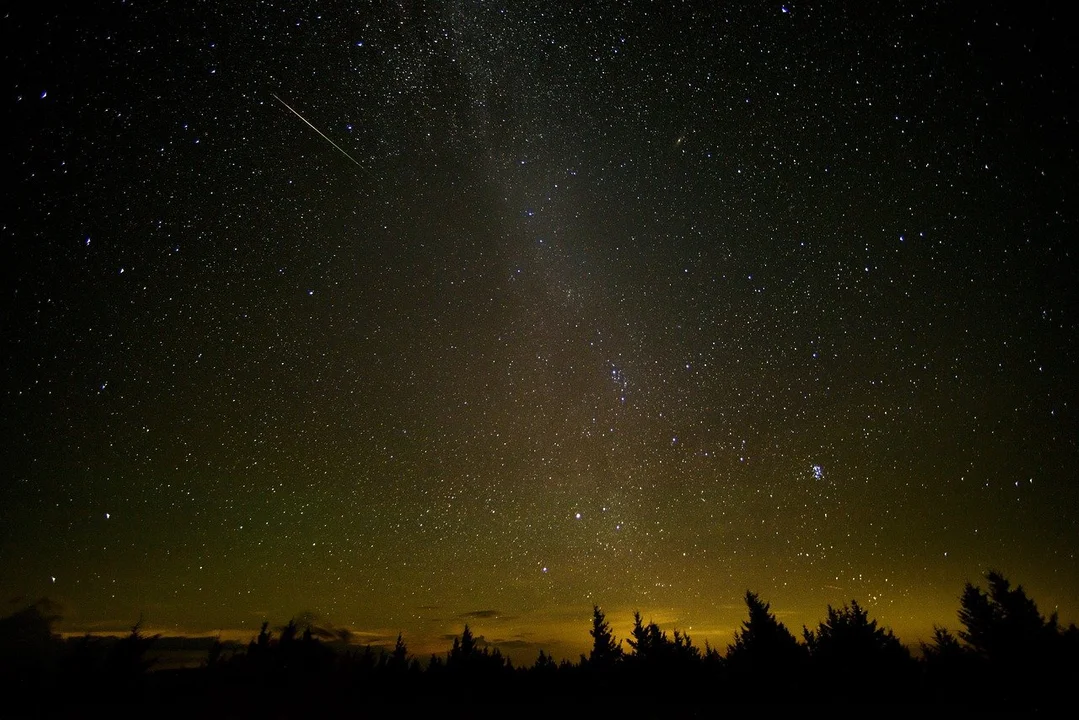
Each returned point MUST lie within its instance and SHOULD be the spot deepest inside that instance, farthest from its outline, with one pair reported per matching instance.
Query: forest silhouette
(1007, 655)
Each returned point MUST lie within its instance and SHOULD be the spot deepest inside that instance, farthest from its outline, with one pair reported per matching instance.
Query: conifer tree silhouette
(264, 636)
(765, 656)
(463, 653)
(944, 646)
(652, 648)
(1003, 624)
(849, 636)
(605, 651)
(763, 640)
(468, 642)
(849, 645)
(127, 663)
(1019, 650)
(1005, 652)
(544, 663)
(288, 633)
(950, 667)
(648, 641)
(214, 653)
(28, 647)
(399, 657)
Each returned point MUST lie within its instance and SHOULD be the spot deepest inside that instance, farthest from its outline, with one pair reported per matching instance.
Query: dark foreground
(1008, 660)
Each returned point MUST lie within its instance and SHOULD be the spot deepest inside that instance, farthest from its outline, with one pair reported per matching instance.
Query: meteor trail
(331, 142)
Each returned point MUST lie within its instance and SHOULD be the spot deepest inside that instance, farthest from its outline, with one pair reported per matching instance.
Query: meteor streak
(331, 142)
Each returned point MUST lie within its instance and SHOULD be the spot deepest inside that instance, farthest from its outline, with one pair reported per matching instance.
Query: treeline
(1007, 653)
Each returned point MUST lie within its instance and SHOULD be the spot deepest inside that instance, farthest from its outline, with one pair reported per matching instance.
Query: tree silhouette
(213, 655)
(764, 650)
(262, 644)
(762, 637)
(468, 642)
(127, 663)
(649, 643)
(399, 657)
(464, 648)
(605, 651)
(466, 655)
(1003, 625)
(28, 647)
(652, 648)
(1006, 652)
(1020, 649)
(850, 645)
(545, 663)
(944, 646)
(435, 665)
(683, 650)
(849, 634)
(950, 668)
(288, 633)
(711, 658)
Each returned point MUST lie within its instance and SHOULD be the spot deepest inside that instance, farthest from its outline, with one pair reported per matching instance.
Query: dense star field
(408, 315)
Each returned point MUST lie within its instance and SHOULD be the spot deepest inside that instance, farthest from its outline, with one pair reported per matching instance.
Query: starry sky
(407, 314)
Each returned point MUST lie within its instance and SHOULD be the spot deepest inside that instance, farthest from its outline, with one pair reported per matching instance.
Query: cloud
(373, 638)
(486, 615)
(481, 614)
(323, 633)
(514, 644)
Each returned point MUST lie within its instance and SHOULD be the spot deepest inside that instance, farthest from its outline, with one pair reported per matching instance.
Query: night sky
(407, 315)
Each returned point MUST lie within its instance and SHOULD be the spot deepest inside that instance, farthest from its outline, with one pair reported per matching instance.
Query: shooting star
(331, 142)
